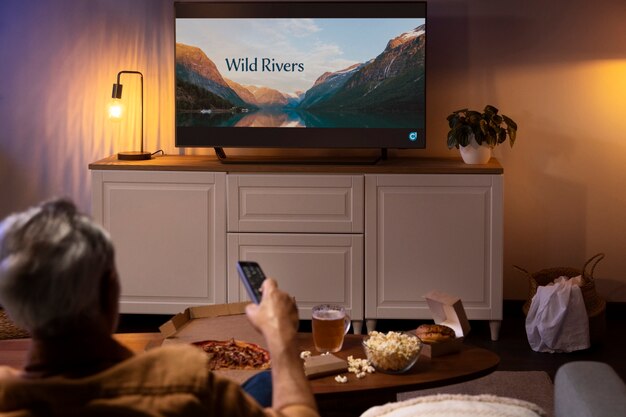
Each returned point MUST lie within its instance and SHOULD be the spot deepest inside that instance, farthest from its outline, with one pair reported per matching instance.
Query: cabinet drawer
(314, 268)
(295, 203)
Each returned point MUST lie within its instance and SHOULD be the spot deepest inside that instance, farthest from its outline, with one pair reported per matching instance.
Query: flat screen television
(301, 74)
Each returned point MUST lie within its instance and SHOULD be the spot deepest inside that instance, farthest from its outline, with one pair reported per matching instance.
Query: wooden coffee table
(335, 399)
(14, 352)
(357, 395)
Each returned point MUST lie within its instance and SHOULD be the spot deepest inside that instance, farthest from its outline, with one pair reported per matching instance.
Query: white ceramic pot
(475, 153)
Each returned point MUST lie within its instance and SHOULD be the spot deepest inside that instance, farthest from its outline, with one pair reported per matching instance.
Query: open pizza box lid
(446, 310)
(195, 321)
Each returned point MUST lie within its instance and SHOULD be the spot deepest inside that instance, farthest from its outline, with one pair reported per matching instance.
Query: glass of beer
(330, 324)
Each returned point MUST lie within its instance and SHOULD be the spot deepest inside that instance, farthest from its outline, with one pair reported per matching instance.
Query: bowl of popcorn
(392, 352)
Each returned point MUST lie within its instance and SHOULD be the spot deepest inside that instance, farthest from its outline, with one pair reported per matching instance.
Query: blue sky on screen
(321, 45)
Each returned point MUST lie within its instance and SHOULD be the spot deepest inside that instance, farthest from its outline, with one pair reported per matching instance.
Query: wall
(58, 61)
(558, 68)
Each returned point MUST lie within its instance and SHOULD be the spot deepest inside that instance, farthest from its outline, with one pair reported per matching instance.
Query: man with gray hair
(59, 281)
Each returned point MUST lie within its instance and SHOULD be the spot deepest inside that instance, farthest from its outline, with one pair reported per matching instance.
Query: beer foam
(329, 315)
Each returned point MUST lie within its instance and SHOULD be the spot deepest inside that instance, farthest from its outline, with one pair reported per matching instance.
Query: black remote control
(252, 277)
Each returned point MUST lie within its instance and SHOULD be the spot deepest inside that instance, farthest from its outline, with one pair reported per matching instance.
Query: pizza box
(229, 321)
(213, 322)
(195, 322)
(446, 310)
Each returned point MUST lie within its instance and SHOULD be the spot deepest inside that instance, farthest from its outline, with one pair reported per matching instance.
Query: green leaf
(453, 119)
(479, 137)
(509, 122)
(489, 109)
(473, 117)
(501, 136)
(512, 135)
(465, 133)
(452, 142)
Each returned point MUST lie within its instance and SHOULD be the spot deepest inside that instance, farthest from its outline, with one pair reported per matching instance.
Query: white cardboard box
(446, 310)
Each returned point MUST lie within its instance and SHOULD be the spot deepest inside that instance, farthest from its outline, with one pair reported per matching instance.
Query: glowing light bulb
(116, 109)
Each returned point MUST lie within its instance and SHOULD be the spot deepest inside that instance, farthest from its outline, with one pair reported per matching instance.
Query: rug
(533, 386)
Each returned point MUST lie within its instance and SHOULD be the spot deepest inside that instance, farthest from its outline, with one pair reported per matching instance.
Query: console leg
(370, 325)
(494, 326)
(357, 326)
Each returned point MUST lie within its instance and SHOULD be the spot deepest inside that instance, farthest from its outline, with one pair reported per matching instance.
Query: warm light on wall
(116, 111)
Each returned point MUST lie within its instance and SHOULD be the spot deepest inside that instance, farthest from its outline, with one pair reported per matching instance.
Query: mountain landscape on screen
(386, 90)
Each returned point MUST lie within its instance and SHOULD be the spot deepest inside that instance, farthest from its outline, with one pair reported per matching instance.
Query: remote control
(252, 277)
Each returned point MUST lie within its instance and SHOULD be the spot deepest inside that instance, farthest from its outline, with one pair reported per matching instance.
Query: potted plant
(476, 133)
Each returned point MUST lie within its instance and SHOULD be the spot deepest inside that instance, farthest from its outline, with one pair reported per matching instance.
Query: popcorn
(359, 366)
(392, 351)
(341, 379)
(305, 354)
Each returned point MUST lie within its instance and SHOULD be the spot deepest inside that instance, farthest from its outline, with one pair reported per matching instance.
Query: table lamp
(116, 111)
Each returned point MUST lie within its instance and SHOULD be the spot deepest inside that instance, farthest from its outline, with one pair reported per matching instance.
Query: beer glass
(330, 324)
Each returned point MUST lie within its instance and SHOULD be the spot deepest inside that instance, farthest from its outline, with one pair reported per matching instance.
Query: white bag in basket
(557, 319)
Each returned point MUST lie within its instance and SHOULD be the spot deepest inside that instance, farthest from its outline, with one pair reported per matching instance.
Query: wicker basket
(594, 304)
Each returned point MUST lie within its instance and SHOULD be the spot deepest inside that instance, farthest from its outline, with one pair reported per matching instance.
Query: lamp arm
(118, 83)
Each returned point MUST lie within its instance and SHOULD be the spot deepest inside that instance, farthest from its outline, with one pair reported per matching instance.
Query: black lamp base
(134, 156)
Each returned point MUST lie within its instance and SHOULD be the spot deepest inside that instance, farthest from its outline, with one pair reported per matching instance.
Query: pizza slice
(235, 354)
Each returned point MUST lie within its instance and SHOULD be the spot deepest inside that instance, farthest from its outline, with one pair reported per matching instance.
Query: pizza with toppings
(235, 354)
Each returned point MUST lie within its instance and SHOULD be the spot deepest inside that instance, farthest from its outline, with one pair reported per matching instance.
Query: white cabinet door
(433, 232)
(314, 268)
(169, 231)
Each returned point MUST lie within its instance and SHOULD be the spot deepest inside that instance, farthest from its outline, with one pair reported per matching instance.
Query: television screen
(300, 74)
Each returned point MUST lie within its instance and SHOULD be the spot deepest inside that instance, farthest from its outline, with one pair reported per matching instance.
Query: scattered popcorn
(305, 354)
(341, 379)
(325, 353)
(359, 366)
(392, 351)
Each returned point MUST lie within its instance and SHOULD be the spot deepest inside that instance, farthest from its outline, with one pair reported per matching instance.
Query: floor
(516, 354)
(513, 348)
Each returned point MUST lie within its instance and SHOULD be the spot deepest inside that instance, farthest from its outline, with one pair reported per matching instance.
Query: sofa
(588, 389)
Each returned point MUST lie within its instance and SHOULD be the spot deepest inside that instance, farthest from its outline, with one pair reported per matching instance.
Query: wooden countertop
(210, 163)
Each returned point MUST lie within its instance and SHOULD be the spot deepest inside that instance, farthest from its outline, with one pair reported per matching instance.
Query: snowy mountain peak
(407, 37)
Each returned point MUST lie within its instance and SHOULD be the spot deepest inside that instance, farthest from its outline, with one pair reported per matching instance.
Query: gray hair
(53, 260)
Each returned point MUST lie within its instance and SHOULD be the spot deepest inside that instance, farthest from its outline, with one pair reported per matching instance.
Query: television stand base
(304, 160)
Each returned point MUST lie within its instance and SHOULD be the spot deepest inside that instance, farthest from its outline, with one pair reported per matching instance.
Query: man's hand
(276, 315)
